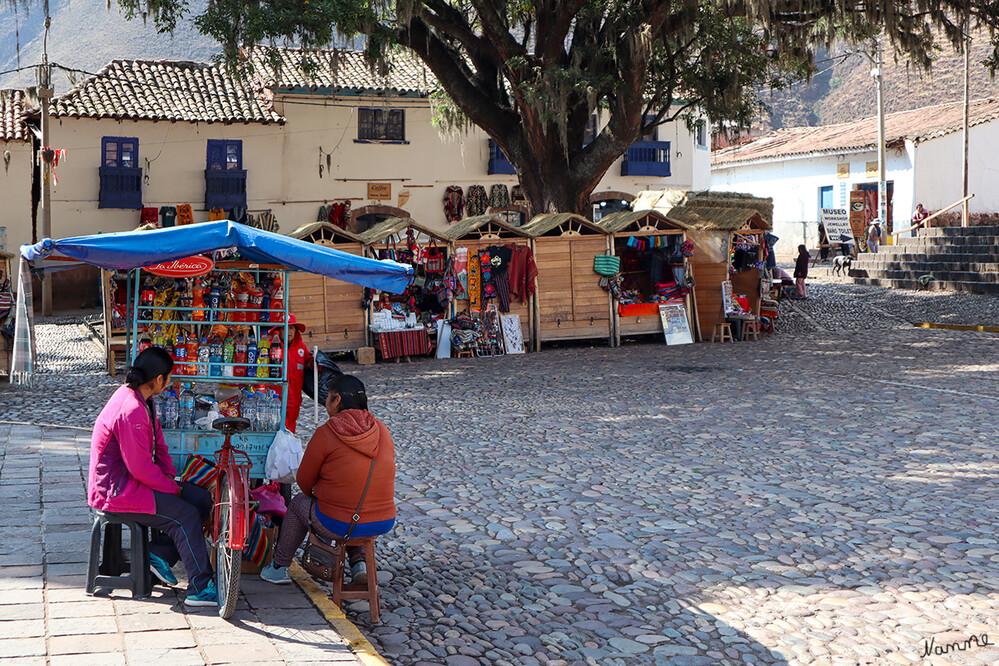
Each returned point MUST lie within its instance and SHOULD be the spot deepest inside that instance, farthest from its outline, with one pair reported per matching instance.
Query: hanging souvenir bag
(435, 258)
(606, 264)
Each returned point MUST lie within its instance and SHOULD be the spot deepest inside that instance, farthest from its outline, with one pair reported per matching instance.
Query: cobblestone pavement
(827, 495)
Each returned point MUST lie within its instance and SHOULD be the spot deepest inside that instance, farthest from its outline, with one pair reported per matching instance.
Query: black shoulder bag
(320, 559)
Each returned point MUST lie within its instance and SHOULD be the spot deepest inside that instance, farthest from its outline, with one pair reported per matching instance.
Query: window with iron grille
(120, 175)
(381, 125)
(225, 178)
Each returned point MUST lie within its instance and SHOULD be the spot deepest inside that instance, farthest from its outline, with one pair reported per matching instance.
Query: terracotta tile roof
(917, 125)
(13, 116)
(340, 71)
(166, 90)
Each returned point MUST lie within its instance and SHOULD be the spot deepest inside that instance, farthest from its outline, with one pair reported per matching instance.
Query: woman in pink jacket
(131, 475)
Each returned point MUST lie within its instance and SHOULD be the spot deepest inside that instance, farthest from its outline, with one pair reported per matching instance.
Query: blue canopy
(135, 249)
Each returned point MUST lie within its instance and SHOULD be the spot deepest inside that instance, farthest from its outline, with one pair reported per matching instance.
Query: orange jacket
(336, 462)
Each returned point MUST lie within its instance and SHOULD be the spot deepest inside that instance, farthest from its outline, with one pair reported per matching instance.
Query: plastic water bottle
(186, 408)
(228, 355)
(215, 357)
(275, 411)
(204, 356)
(248, 408)
(170, 410)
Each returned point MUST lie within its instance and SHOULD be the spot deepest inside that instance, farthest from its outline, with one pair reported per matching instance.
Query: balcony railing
(498, 162)
(647, 158)
(225, 188)
(121, 187)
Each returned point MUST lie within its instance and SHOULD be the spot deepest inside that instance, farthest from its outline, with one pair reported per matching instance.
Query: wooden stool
(751, 328)
(465, 353)
(369, 591)
(723, 329)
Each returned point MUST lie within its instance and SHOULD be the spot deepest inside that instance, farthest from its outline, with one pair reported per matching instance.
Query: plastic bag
(284, 457)
(327, 370)
(269, 499)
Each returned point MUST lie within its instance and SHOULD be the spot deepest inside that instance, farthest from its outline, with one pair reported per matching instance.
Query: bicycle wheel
(227, 561)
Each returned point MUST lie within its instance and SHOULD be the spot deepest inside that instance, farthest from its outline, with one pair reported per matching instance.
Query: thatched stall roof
(397, 225)
(483, 226)
(639, 220)
(316, 232)
(560, 224)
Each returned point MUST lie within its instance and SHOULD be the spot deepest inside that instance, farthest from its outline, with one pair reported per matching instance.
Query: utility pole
(45, 95)
(878, 74)
(964, 150)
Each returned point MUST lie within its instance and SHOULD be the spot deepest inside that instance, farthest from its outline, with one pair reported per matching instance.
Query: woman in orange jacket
(352, 451)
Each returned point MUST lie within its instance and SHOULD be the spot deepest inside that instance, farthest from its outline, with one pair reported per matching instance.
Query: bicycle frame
(235, 464)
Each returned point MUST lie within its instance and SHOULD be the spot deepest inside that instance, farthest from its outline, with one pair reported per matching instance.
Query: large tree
(531, 72)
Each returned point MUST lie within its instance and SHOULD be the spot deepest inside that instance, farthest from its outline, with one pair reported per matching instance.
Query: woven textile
(499, 196)
(454, 203)
(477, 201)
(414, 342)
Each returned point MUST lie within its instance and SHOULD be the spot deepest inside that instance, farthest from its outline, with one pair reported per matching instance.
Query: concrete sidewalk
(47, 618)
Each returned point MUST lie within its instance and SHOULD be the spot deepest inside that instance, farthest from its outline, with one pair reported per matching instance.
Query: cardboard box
(366, 356)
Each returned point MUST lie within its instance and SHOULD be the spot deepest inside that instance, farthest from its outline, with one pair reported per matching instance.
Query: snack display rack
(200, 318)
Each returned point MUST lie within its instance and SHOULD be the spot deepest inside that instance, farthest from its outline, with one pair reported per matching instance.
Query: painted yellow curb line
(361, 646)
(961, 327)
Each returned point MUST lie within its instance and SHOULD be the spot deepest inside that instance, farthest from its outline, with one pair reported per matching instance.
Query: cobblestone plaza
(825, 495)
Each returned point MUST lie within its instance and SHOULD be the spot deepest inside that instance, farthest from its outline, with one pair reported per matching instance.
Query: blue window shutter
(216, 154)
(120, 180)
(224, 187)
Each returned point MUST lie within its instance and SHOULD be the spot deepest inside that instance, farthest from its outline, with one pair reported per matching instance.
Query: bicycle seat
(231, 425)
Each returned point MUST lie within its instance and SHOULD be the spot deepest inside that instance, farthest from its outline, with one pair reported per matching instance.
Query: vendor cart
(211, 280)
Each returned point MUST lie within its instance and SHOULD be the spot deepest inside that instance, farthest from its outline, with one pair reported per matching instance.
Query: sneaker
(206, 597)
(359, 573)
(161, 570)
(275, 574)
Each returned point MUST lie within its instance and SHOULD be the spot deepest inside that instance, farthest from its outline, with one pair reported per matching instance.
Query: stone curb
(959, 327)
(361, 646)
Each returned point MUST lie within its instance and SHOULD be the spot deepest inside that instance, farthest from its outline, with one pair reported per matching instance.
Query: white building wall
(939, 177)
(795, 184)
(15, 193)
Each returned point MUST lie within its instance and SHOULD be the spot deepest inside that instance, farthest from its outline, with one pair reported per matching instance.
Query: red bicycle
(230, 516)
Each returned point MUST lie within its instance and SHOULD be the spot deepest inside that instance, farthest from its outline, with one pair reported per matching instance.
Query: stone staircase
(959, 259)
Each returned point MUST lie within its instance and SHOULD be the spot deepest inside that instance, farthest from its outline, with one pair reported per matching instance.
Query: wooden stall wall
(747, 283)
(708, 295)
(523, 309)
(571, 303)
(330, 309)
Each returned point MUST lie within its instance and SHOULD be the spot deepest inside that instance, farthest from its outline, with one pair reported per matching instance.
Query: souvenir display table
(407, 342)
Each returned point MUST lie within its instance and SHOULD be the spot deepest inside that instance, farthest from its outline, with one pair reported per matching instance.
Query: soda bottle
(239, 357)
(263, 358)
(241, 301)
(277, 301)
(144, 341)
(277, 356)
(146, 299)
(214, 303)
(168, 348)
(215, 357)
(170, 410)
(198, 301)
(228, 354)
(251, 356)
(185, 412)
(192, 355)
(180, 356)
(204, 357)
(158, 339)
(256, 302)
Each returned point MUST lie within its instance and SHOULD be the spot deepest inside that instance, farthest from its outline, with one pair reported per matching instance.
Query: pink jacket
(127, 460)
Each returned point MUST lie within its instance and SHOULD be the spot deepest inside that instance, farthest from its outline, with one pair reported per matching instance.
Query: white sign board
(676, 328)
(837, 222)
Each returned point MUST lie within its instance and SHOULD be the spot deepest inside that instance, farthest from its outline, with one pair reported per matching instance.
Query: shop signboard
(380, 191)
(676, 328)
(857, 213)
(837, 222)
(188, 267)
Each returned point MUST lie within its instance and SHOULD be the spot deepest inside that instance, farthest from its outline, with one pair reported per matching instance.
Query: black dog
(842, 264)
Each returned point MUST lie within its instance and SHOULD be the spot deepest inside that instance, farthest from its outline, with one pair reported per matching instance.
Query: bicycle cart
(175, 293)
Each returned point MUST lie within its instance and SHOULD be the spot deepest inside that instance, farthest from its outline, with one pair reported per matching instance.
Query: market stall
(405, 325)
(569, 304)
(655, 269)
(729, 262)
(211, 295)
(332, 310)
(511, 281)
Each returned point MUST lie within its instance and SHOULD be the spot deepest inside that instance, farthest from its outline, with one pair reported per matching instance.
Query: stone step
(984, 230)
(934, 285)
(943, 241)
(951, 253)
(944, 276)
(932, 264)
